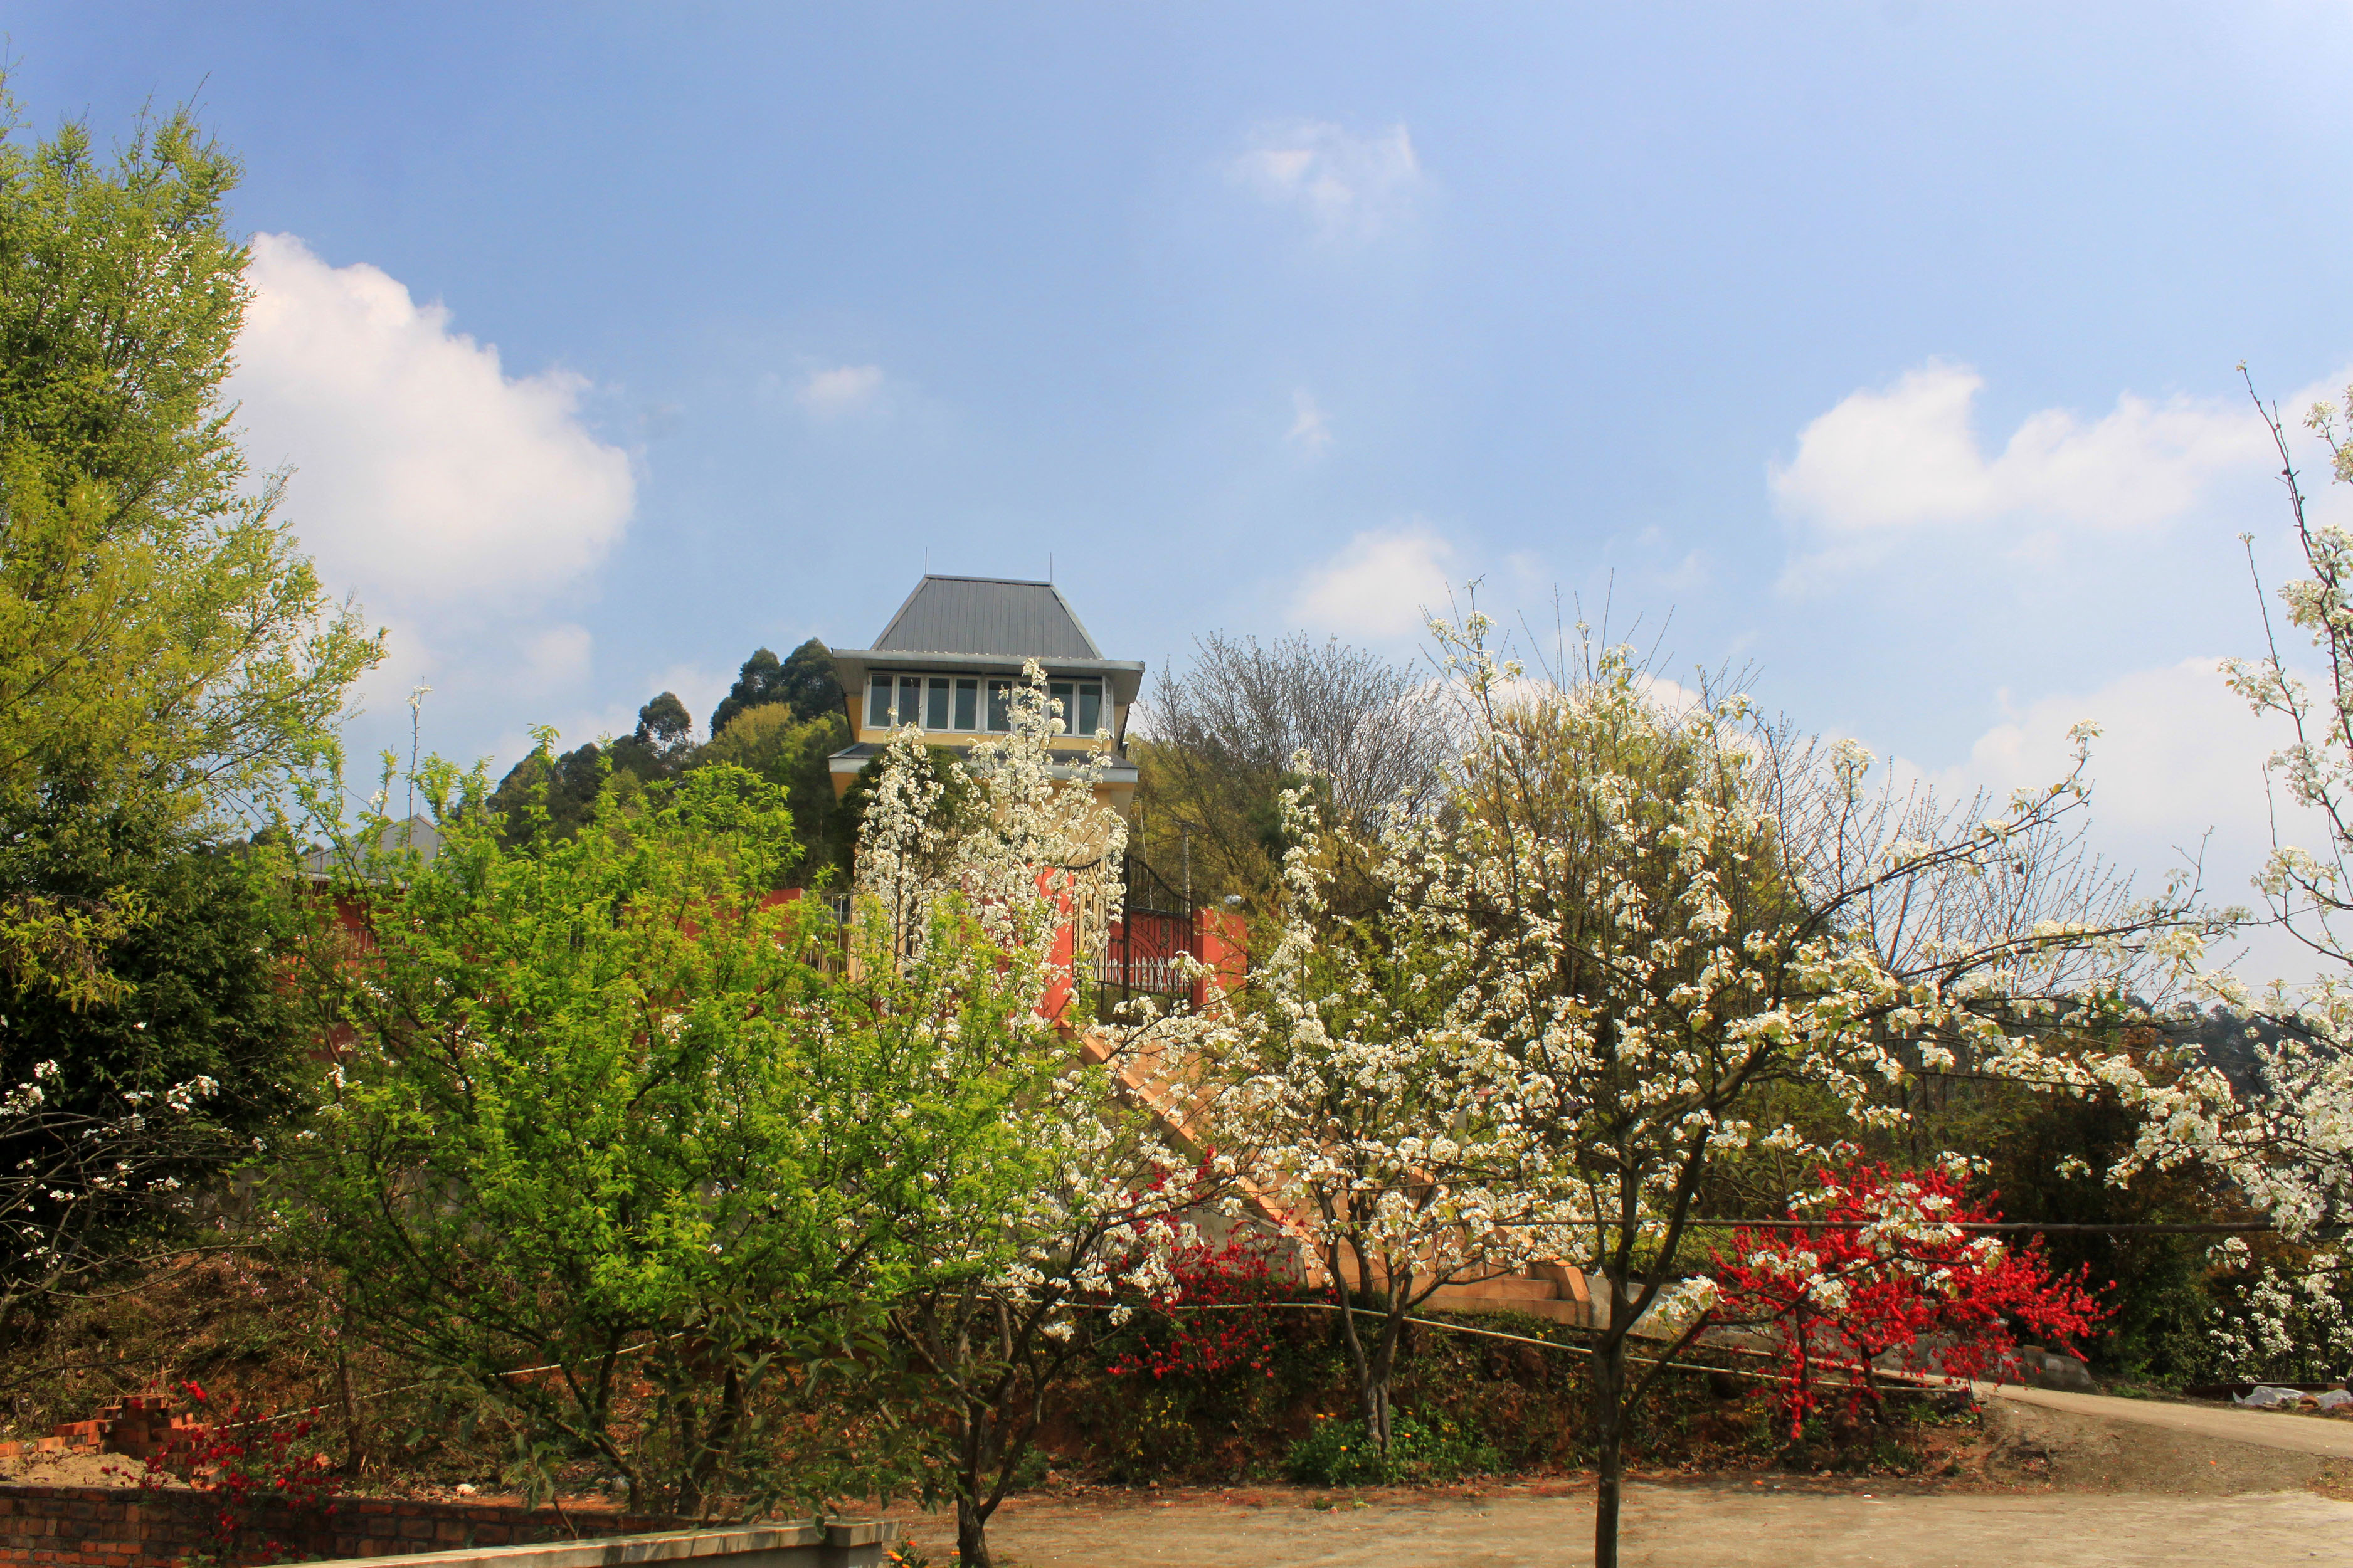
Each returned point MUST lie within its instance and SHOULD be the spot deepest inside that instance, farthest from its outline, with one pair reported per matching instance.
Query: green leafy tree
(120, 294)
(694, 1145)
(806, 683)
(163, 648)
(562, 788)
(168, 660)
(794, 755)
(201, 1001)
(665, 730)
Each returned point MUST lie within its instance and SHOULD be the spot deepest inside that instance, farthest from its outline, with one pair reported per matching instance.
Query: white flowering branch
(999, 876)
(74, 1178)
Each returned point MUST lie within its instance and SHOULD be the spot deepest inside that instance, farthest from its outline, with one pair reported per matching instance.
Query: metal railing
(1156, 926)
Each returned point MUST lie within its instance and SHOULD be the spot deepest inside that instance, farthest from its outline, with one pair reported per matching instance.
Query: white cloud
(1379, 585)
(2177, 773)
(1350, 187)
(1907, 455)
(2177, 749)
(1310, 431)
(843, 389)
(424, 473)
(699, 688)
(554, 657)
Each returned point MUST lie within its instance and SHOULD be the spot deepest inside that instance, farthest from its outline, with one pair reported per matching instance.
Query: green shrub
(1338, 1454)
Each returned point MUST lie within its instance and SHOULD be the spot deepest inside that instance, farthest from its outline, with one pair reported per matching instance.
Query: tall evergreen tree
(805, 681)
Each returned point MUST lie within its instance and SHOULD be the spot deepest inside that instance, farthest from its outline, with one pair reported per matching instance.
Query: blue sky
(1887, 346)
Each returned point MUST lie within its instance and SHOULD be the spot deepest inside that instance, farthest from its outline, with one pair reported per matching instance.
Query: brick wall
(95, 1527)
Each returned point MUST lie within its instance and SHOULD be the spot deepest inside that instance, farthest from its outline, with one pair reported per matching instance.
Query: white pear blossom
(1526, 1024)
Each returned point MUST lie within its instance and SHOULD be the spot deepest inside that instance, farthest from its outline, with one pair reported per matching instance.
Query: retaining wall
(103, 1527)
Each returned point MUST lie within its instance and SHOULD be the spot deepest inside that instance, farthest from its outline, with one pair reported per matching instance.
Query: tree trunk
(973, 1454)
(354, 1452)
(1610, 1431)
(972, 1534)
(1372, 1371)
(1372, 1407)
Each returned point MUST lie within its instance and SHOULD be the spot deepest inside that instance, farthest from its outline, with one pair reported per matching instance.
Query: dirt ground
(71, 1470)
(1708, 1525)
(2081, 1489)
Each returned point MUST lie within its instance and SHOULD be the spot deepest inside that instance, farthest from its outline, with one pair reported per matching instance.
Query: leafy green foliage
(793, 754)
(157, 1092)
(167, 662)
(665, 727)
(1339, 1454)
(608, 1104)
(805, 683)
(781, 722)
(203, 993)
(122, 290)
(561, 789)
(164, 652)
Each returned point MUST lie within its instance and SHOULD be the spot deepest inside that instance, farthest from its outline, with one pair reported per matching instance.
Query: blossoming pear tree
(1083, 1192)
(1656, 913)
(2287, 1146)
(76, 1182)
(1375, 1117)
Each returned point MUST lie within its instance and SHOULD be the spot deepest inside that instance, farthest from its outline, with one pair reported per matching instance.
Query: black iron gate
(1155, 927)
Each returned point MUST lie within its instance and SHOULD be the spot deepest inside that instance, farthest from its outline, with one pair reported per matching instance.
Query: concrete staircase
(1554, 1290)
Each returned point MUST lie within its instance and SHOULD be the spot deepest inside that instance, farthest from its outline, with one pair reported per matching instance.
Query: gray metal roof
(989, 617)
(417, 833)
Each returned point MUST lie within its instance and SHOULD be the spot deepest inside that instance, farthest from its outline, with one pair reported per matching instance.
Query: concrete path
(1705, 1526)
(2329, 1437)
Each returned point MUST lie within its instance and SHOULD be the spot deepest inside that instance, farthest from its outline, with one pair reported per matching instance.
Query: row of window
(954, 702)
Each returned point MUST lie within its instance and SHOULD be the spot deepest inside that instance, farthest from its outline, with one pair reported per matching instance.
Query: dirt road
(2264, 1428)
(1720, 1525)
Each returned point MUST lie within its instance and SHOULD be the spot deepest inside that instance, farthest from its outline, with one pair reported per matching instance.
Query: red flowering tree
(244, 1464)
(1885, 1264)
(1215, 1313)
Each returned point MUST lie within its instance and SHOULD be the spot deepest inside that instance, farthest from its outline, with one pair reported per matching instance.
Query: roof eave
(1123, 675)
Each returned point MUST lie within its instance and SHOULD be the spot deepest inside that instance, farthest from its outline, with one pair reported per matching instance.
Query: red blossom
(1238, 1333)
(1884, 1267)
(241, 1462)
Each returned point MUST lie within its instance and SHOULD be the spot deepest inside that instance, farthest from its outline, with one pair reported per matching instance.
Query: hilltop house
(946, 663)
(949, 658)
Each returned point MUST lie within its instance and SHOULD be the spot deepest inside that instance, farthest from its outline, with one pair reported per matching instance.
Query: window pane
(1090, 707)
(936, 704)
(1000, 705)
(1059, 691)
(877, 702)
(911, 699)
(967, 715)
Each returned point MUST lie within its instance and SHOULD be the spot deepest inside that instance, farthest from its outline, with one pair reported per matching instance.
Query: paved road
(1712, 1526)
(2265, 1429)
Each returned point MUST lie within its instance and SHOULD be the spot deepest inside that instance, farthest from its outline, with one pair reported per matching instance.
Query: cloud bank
(424, 474)
(1379, 585)
(1891, 463)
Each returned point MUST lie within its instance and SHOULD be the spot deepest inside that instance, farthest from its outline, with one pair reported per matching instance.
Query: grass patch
(1340, 1454)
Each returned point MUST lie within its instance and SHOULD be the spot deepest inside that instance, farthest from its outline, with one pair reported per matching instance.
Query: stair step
(1502, 1288)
